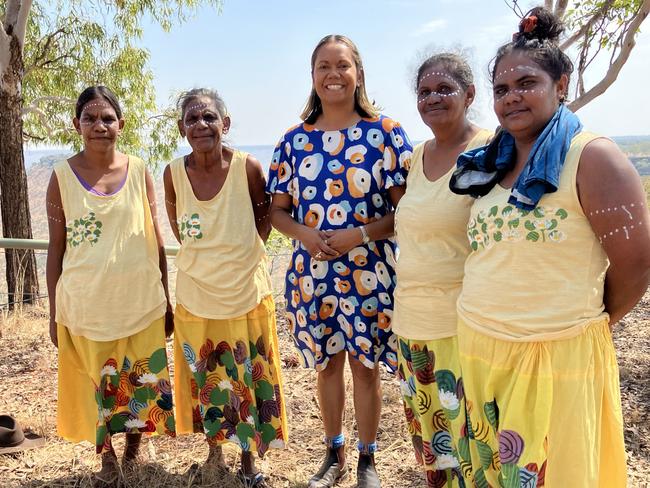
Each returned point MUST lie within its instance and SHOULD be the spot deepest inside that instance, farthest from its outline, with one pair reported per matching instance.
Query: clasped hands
(325, 245)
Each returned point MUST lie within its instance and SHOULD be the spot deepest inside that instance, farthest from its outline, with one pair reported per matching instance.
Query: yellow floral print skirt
(228, 382)
(111, 387)
(434, 403)
(544, 413)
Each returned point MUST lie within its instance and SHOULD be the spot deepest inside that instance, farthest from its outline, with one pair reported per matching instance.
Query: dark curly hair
(538, 37)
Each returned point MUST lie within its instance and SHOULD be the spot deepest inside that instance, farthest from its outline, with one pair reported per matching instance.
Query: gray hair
(187, 97)
(453, 63)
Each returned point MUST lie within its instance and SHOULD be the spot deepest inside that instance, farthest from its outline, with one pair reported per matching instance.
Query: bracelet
(365, 238)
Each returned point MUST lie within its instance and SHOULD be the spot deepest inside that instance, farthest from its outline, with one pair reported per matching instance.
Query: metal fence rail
(41, 244)
(170, 251)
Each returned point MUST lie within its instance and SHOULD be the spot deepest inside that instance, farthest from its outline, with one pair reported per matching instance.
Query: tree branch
(21, 23)
(615, 67)
(560, 8)
(598, 15)
(37, 101)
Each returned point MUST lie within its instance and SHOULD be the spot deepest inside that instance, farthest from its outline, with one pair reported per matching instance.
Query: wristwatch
(365, 238)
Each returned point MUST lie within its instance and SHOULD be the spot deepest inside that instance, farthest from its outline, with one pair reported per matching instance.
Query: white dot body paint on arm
(628, 210)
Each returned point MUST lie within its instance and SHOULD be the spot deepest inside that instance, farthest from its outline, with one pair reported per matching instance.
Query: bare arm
(162, 258)
(312, 239)
(170, 201)
(259, 198)
(55, 248)
(614, 202)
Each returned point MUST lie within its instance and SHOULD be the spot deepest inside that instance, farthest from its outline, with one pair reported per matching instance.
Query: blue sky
(256, 54)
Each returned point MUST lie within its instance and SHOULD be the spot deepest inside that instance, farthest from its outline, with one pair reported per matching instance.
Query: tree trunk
(21, 272)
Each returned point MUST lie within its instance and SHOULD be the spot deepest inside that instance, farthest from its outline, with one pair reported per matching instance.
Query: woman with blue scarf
(560, 240)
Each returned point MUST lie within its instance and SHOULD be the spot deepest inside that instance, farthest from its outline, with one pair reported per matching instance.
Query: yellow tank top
(110, 281)
(222, 266)
(534, 276)
(430, 226)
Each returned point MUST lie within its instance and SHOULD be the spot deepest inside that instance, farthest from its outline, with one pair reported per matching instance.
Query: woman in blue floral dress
(335, 180)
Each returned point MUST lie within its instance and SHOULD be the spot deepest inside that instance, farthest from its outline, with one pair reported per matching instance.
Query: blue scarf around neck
(480, 169)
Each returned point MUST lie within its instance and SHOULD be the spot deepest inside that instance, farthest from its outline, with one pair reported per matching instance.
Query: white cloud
(430, 27)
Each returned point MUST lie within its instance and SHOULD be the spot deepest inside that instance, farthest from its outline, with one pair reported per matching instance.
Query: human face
(441, 100)
(98, 124)
(334, 75)
(202, 125)
(525, 96)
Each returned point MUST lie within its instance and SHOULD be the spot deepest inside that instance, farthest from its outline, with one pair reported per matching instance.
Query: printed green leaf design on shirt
(84, 229)
(189, 227)
(511, 224)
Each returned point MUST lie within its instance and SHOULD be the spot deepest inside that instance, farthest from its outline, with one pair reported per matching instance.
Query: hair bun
(540, 24)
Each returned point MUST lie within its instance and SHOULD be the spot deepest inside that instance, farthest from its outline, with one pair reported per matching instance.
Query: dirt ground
(28, 389)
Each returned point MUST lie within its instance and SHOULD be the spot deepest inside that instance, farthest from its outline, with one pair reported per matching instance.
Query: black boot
(330, 472)
(367, 476)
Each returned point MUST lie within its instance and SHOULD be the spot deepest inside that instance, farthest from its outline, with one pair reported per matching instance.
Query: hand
(54, 334)
(169, 323)
(314, 242)
(344, 240)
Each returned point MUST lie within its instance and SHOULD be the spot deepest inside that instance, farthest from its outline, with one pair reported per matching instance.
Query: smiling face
(525, 96)
(441, 100)
(335, 75)
(202, 125)
(98, 124)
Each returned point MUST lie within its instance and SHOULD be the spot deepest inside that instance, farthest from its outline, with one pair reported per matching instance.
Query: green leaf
(532, 236)
(510, 474)
(268, 433)
(194, 216)
(538, 212)
(484, 228)
(200, 378)
(492, 413)
(479, 479)
(529, 225)
(219, 396)
(264, 390)
(499, 222)
(498, 236)
(158, 361)
(446, 380)
(493, 211)
(141, 395)
(213, 427)
(253, 350)
(484, 453)
(245, 431)
(170, 423)
(513, 224)
(227, 359)
(117, 423)
(109, 403)
(507, 210)
(100, 435)
(248, 379)
(463, 448)
(562, 213)
(474, 245)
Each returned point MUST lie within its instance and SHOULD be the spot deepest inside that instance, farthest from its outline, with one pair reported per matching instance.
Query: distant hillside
(634, 145)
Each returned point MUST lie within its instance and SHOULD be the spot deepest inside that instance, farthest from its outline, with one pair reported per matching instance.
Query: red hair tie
(528, 24)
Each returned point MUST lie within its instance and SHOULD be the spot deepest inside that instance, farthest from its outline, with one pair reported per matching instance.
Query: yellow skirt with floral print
(227, 378)
(111, 387)
(544, 413)
(434, 403)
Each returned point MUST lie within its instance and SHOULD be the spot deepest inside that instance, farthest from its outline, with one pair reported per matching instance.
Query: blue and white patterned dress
(340, 179)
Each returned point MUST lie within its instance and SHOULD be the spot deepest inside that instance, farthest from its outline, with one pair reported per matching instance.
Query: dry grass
(28, 372)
